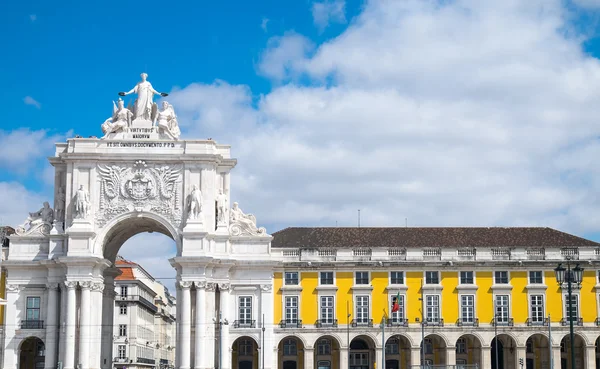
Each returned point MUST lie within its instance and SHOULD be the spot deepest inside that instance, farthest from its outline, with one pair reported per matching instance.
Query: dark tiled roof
(340, 237)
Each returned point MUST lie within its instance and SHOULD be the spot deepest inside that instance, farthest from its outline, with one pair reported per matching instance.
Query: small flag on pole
(396, 303)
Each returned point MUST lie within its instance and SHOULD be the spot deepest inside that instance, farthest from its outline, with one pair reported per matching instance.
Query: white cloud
(32, 17)
(28, 100)
(17, 202)
(263, 24)
(21, 149)
(454, 113)
(328, 11)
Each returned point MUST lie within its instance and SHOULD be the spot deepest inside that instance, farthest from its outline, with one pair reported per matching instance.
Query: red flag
(395, 303)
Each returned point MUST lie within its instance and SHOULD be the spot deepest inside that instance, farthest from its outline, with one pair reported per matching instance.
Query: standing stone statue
(221, 207)
(59, 205)
(82, 203)
(194, 203)
(144, 105)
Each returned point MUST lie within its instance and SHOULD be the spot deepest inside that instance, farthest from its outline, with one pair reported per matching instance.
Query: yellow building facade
(476, 297)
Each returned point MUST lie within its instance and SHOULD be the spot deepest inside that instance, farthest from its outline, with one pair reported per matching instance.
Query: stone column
(186, 324)
(590, 357)
(108, 308)
(71, 325)
(451, 355)
(344, 357)
(521, 354)
(209, 343)
(225, 359)
(486, 357)
(178, 327)
(11, 344)
(309, 358)
(378, 359)
(51, 326)
(266, 309)
(200, 323)
(415, 356)
(85, 320)
(97, 327)
(556, 356)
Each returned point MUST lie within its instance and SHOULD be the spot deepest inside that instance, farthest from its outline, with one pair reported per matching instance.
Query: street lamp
(572, 276)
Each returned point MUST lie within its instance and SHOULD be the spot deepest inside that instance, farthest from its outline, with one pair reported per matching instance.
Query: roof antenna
(405, 222)
(358, 218)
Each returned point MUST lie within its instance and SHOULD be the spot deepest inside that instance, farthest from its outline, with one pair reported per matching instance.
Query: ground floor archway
(362, 353)
(326, 353)
(397, 352)
(244, 353)
(468, 350)
(290, 353)
(503, 352)
(32, 354)
(537, 352)
(434, 350)
(565, 352)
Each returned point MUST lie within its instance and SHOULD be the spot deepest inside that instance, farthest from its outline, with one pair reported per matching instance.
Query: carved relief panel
(140, 186)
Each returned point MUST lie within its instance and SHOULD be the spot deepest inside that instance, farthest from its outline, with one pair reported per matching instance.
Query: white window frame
(508, 308)
(285, 308)
(461, 341)
(123, 309)
(507, 277)
(324, 320)
(291, 284)
(565, 308)
(121, 351)
(530, 303)
(461, 317)
(327, 271)
(439, 308)
(124, 289)
(460, 282)
(38, 308)
(439, 277)
(368, 278)
(529, 277)
(394, 316)
(362, 320)
(122, 330)
(239, 306)
(403, 278)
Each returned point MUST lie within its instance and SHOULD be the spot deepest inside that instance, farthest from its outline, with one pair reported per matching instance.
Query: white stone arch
(371, 336)
(584, 337)
(36, 336)
(329, 334)
(254, 337)
(509, 334)
(474, 334)
(300, 338)
(408, 338)
(124, 226)
(442, 336)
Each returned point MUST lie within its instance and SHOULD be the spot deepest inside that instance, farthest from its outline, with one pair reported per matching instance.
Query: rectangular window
(428, 348)
(123, 309)
(466, 277)
(433, 308)
(432, 278)
(461, 347)
(123, 330)
(362, 309)
(535, 277)
(467, 308)
(537, 309)
(502, 309)
(574, 312)
(362, 278)
(245, 310)
(291, 309)
(122, 351)
(501, 277)
(327, 309)
(398, 316)
(291, 278)
(326, 278)
(33, 308)
(324, 347)
(123, 290)
(359, 360)
(396, 277)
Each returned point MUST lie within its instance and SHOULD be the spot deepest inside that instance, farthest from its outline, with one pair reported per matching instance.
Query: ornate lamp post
(572, 276)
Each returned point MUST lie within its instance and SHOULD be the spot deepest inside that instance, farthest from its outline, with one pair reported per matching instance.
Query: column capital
(98, 287)
(53, 286)
(266, 287)
(200, 284)
(185, 284)
(71, 285)
(210, 286)
(224, 286)
(85, 285)
(13, 288)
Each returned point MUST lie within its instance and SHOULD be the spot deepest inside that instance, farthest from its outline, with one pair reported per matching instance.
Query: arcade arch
(290, 353)
(505, 347)
(397, 352)
(244, 353)
(434, 350)
(565, 351)
(362, 352)
(32, 353)
(468, 350)
(326, 353)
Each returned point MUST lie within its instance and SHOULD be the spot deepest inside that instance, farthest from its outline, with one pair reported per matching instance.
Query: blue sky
(444, 113)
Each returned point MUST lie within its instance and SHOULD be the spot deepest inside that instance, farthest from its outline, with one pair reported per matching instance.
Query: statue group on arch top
(144, 113)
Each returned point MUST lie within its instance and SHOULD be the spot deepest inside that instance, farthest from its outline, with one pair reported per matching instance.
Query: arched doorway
(290, 353)
(503, 347)
(362, 353)
(397, 352)
(468, 350)
(244, 354)
(597, 345)
(537, 352)
(434, 352)
(565, 352)
(326, 353)
(32, 354)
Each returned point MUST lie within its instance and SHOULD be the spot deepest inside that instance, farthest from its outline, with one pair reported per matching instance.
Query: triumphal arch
(139, 176)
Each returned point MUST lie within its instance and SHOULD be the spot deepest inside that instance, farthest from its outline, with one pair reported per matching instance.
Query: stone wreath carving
(141, 187)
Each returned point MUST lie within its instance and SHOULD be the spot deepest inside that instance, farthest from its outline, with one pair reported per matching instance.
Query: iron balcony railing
(320, 323)
(121, 360)
(139, 299)
(509, 322)
(433, 322)
(597, 322)
(467, 322)
(144, 360)
(396, 322)
(576, 321)
(531, 322)
(362, 322)
(32, 324)
(244, 324)
(290, 323)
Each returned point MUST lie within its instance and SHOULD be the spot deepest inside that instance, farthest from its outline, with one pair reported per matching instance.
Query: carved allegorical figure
(194, 205)
(120, 119)
(167, 121)
(40, 221)
(59, 205)
(243, 224)
(82, 203)
(144, 106)
(221, 207)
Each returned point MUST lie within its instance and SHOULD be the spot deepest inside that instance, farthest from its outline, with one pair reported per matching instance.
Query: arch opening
(503, 352)
(244, 353)
(468, 350)
(32, 353)
(326, 353)
(397, 352)
(565, 351)
(290, 353)
(362, 353)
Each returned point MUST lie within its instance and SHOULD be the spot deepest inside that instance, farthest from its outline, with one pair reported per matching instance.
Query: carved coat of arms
(139, 188)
